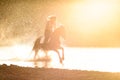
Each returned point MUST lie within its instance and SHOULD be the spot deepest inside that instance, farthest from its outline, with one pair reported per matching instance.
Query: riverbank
(13, 72)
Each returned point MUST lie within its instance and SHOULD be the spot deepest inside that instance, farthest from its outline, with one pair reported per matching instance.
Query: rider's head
(52, 18)
(61, 26)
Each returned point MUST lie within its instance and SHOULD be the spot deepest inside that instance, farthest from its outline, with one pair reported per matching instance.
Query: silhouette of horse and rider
(52, 39)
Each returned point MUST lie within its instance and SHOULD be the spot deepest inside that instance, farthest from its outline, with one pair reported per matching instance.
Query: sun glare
(88, 23)
(92, 15)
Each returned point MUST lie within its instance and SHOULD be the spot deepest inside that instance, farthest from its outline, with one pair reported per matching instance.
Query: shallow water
(97, 59)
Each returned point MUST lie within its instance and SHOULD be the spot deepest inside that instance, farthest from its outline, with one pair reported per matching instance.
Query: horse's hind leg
(36, 52)
(58, 55)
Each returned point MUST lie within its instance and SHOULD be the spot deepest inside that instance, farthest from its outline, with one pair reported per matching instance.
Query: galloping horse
(53, 44)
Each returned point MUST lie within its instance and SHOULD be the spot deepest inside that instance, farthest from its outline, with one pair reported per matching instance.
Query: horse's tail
(37, 43)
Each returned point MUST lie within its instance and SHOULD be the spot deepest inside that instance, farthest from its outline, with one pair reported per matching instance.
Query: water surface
(97, 59)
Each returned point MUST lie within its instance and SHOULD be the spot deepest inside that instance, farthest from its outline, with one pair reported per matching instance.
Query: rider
(50, 27)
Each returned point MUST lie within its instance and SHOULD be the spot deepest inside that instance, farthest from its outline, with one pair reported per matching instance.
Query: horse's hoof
(61, 61)
(63, 58)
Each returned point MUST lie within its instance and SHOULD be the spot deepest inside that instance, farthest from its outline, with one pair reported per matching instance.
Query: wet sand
(13, 72)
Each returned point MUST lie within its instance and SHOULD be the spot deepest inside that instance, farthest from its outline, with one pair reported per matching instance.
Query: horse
(53, 44)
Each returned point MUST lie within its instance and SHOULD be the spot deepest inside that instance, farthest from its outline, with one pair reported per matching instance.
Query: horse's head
(61, 31)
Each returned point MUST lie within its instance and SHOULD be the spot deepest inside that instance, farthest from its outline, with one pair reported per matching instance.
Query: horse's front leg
(58, 55)
(62, 53)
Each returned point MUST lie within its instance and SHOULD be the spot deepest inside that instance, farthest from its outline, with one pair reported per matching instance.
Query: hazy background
(88, 23)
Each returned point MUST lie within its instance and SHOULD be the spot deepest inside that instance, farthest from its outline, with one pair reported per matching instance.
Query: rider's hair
(51, 17)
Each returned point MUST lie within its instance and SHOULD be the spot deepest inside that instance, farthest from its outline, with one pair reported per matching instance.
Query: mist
(22, 21)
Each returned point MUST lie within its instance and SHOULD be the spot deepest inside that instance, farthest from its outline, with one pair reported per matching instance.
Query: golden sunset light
(96, 22)
(72, 35)
(88, 23)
